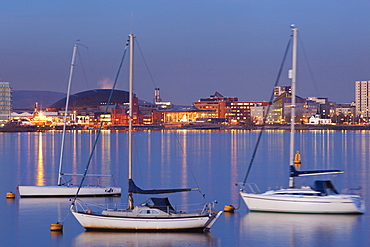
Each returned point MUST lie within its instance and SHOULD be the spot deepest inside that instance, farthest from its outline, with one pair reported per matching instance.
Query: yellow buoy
(229, 208)
(297, 160)
(10, 195)
(56, 227)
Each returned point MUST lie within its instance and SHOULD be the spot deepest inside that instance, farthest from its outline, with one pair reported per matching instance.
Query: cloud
(106, 83)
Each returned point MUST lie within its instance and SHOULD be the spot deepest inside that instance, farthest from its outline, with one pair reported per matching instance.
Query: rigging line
(309, 67)
(65, 218)
(267, 112)
(236, 208)
(146, 65)
(23, 174)
(82, 66)
(101, 123)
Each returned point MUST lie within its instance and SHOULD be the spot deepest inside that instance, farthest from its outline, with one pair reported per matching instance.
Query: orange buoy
(297, 160)
(229, 208)
(10, 195)
(57, 227)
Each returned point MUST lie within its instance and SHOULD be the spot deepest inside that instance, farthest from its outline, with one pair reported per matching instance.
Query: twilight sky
(189, 48)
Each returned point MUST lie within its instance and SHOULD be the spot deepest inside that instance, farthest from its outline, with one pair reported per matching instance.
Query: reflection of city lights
(40, 181)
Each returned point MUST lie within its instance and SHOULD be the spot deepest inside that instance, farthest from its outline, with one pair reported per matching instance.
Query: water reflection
(144, 239)
(184, 166)
(165, 157)
(105, 158)
(30, 205)
(216, 159)
(300, 229)
(40, 173)
(234, 167)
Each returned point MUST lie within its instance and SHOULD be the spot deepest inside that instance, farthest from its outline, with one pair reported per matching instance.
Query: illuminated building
(181, 116)
(282, 108)
(362, 98)
(5, 101)
(120, 114)
(241, 111)
(279, 90)
(219, 104)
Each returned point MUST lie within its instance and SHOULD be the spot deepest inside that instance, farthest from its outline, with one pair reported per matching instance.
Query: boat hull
(98, 222)
(332, 204)
(66, 191)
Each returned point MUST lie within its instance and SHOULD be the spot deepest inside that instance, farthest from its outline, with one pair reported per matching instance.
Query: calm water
(211, 160)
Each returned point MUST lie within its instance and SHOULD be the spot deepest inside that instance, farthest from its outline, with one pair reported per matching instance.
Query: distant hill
(93, 98)
(26, 99)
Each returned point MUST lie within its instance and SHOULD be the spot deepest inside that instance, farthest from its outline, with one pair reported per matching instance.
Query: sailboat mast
(131, 77)
(65, 114)
(293, 100)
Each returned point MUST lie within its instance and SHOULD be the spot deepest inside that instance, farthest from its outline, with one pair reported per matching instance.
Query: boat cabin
(326, 187)
(162, 204)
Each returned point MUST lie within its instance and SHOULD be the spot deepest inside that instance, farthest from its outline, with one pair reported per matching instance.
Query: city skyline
(191, 48)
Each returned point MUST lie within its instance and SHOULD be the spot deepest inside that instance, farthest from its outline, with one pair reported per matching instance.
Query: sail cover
(134, 189)
(295, 173)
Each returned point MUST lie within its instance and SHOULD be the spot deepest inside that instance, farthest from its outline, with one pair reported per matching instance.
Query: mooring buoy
(57, 227)
(10, 195)
(229, 209)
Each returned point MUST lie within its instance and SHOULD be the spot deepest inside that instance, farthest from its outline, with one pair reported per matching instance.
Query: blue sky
(192, 48)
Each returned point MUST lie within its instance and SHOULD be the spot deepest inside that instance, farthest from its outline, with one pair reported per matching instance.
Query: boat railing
(79, 206)
(208, 207)
(250, 188)
(352, 191)
(89, 207)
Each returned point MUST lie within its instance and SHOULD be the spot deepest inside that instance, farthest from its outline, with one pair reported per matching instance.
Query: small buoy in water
(10, 195)
(56, 227)
(297, 160)
(229, 208)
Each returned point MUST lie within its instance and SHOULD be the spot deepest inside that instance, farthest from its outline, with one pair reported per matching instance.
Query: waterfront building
(92, 100)
(182, 116)
(362, 98)
(120, 114)
(219, 104)
(327, 109)
(282, 108)
(88, 107)
(158, 103)
(258, 113)
(5, 101)
(317, 120)
(344, 113)
(157, 95)
(241, 111)
(279, 90)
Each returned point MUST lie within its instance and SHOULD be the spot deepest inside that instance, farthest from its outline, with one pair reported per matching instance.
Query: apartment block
(241, 111)
(5, 101)
(362, 97)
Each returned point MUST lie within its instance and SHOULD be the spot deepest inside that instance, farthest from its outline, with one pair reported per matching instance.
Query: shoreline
(193, 127)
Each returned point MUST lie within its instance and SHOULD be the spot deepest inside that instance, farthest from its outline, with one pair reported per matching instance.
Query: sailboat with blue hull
(155, 214)
(321, 198)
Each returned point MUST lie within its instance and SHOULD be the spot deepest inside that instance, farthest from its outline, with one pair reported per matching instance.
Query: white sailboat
(320, 198)
(64, 189)
(156, 214)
